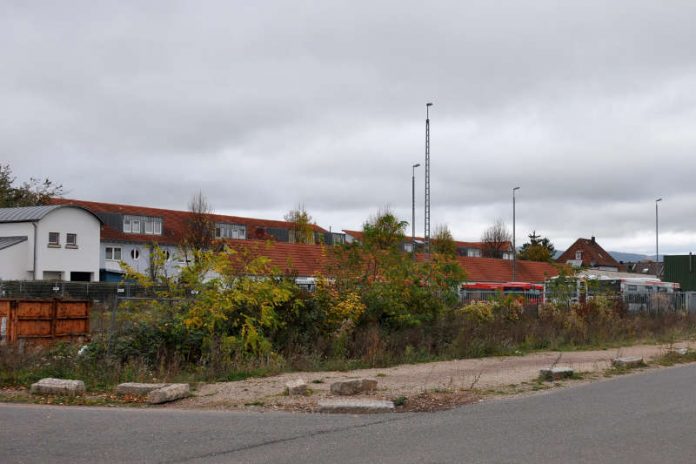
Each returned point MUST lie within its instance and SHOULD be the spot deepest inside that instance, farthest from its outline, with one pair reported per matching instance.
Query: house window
(135, 254)
(632, 288)
(54, 239)
(113, 253)
(71, 241)
(578, 254)
(142, 225)
(225, 230)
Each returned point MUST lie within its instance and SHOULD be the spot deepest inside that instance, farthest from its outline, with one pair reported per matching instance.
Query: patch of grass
(618, 370)
(381, 374)
(80, 400)
(400, 401)
(673, 357)
(243, 375)
(255, 403)
(317, 381)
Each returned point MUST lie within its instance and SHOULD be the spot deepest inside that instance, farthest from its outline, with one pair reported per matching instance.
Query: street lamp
(413, 208)
(657, 243)
(514, 244)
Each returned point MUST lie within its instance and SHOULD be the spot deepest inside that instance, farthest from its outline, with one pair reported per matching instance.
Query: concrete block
(353, 387)
(628, 362)
(556, 373)
(171, 392)
(138, 389)
(50, 386)
(355, 406)
(296, 387)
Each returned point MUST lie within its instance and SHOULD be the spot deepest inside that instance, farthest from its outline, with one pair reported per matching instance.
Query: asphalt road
(642, 418)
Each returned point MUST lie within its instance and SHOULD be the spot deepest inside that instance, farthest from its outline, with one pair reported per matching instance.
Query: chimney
(593, 239)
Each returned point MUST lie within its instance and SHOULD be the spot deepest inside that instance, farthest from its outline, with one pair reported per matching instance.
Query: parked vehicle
(484, 291)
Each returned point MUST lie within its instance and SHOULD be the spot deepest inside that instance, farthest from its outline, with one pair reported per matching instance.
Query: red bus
(474, 291)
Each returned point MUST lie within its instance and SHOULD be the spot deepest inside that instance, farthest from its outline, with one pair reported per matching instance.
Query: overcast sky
(588, 106)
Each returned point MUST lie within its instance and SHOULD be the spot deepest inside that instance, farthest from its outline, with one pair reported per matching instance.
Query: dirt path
(411, 380)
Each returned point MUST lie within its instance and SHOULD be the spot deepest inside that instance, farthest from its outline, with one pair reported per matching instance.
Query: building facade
(130, 233)
(52, 242)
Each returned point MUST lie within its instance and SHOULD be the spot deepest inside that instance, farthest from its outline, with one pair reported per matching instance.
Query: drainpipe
(36, 245)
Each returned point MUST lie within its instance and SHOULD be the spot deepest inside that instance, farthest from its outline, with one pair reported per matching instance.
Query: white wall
(142, 264)
(19, 263)
(84, 258)
(11, 259)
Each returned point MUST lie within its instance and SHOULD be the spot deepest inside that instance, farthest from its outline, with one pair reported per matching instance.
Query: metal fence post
(112, 325)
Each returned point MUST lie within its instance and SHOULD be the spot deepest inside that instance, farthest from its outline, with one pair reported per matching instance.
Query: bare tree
(496, 240)
(200, 228)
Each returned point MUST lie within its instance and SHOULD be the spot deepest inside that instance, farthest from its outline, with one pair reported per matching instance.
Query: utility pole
(413, 209)
(514, 236)
(427, 177)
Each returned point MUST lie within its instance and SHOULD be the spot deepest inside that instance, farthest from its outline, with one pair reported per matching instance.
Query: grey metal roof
(33, 213)
(6, 242)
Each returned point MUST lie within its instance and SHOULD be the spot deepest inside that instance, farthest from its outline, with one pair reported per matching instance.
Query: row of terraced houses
(76, 240)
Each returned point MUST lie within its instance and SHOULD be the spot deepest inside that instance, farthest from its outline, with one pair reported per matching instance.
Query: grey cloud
(589, 106)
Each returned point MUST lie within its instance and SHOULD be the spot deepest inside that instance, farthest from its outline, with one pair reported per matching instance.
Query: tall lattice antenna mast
(427, 177)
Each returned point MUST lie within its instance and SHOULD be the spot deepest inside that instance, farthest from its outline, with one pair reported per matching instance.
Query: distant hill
(617, 255)
(628, 257)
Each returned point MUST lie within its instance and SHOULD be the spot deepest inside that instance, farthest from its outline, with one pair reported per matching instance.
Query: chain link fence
(108, 300)
(635, 302)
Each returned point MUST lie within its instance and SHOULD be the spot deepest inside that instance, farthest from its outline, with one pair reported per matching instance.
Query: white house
(52, 242)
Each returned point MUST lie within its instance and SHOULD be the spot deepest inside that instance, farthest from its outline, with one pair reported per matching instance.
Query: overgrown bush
(230, 314)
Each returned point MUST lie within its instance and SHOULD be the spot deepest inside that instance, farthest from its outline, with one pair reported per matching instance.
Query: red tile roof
(312, 260)
(358, 235)
(288, 258)
(173, 222)
(593, 255)
(500, 270)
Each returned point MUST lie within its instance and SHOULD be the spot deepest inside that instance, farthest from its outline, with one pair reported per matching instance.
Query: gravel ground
(428, 386)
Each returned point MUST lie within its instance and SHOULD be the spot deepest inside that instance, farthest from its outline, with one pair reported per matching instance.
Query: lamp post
(413, 208)
(514, 243)
(657, 233)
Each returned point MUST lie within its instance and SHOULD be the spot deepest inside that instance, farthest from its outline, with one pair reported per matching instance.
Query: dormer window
(226, 230)
(142, 225)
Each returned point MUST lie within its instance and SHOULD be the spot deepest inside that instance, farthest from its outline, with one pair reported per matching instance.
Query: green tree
(384, 231)
(443, 242)
(34, 192)
(537, 249)
(302, 230)
(396, 290)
